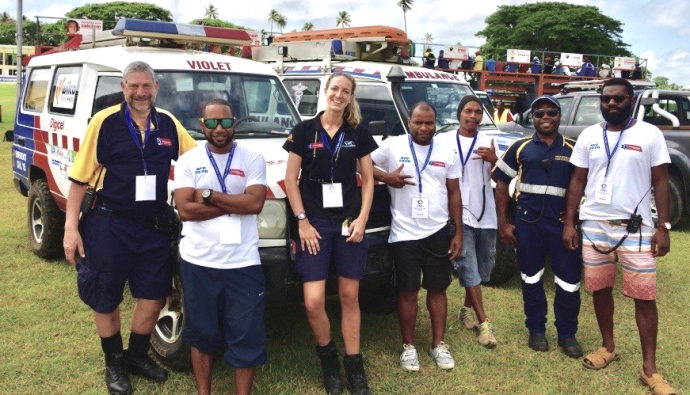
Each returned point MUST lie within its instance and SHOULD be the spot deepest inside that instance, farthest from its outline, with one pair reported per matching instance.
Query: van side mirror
(378, 128)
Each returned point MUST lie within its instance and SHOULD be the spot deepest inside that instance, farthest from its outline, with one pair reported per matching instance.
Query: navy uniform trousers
(535, 240)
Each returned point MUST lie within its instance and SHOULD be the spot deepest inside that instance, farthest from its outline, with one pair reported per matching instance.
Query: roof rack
(596, 84)
(368, 43)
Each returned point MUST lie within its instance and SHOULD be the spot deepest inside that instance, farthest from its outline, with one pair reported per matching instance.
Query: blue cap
(546, 98)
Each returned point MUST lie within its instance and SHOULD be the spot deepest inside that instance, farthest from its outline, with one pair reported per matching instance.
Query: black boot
(116, 374)
(331, 368)
(354, 372)
(142, 365)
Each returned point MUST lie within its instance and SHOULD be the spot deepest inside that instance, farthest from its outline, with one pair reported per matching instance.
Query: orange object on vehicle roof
(391, 34)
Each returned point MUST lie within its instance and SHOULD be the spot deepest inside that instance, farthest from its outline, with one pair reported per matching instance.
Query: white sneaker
(468, 317)
(441, 354)
(408, 359)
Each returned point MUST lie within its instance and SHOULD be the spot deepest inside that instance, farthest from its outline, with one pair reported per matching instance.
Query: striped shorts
(637, 263)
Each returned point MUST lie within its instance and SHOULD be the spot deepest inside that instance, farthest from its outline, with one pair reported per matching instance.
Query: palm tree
(343, 19)
(428, 39)
(273, 17)
(406, 5)
(5, 17)
(211, 12)
(281, 22)
(308, 26)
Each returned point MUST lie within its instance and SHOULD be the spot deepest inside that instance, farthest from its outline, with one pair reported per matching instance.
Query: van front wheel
(45, 221)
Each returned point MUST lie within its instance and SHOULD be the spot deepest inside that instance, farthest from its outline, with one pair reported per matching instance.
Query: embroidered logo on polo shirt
(632, 147)
(317, 144)
(164, 141)
(237, 172)
(594, 146)
(562, 158)
(437, 163)
(349, 144)
(404, 159)
(201, 170)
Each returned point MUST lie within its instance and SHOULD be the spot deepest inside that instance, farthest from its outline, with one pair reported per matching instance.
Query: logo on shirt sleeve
(594, 146)
(404, 159)
(165, 142)
(201, 170)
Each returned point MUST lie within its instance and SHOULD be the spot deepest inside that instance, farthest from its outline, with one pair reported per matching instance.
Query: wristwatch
(301, 215)
(206, 195)
(666, 225)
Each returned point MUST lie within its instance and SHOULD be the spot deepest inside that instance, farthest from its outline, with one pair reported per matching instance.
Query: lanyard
(221, 178)
(135, 135)
(416, 165)
(610, 153)
(334, 153)
(464, 160)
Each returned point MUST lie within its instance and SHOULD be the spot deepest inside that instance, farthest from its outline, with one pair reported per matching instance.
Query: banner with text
(621, 63)
(453, 52)
(518, 56)
(571, 59)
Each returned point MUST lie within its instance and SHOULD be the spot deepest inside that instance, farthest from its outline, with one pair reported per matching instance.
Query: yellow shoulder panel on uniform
(85, 168)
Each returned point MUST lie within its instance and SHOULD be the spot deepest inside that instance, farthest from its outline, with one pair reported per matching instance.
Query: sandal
(657, 384)
(600, 359)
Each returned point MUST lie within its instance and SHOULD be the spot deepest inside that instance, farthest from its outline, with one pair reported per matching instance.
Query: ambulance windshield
(445, 97)
(260, 103)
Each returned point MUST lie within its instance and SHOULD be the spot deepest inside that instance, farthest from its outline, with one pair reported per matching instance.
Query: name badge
(145, 188)
(345, 230)
(603, 191)
(332, 195)
(420, 207)
(465, 191)
(230, 230)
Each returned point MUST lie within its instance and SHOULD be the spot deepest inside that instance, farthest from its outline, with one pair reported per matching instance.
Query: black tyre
(166, 339)
(677, 208)
(46, 222)
(506, 265)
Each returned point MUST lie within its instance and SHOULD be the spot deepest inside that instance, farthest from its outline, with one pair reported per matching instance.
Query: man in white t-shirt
(220, 187)
(617, 163)
(421, 243)
(476, 153)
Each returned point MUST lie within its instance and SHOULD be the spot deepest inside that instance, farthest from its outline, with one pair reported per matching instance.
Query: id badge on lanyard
(144, 186)
(332, 193)
(420, 204)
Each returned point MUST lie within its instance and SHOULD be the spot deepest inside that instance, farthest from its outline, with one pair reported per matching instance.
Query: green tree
(308, 26)
(406, 5)
(110, 12)
(343, 19)
(428, 39)
(211, 12)
(281, 22)
(554, 26)
(5, 17)
(665, 83)
(216, 23)
(273, 17)
(8, 33)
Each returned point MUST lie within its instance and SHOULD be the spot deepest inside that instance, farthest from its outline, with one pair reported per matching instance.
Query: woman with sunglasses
(332, 214)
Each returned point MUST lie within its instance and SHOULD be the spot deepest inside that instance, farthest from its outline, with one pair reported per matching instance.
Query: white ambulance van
(387, 87)
(62, 91)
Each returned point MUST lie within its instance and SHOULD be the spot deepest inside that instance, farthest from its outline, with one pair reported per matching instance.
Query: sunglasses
(616, 98)
(212, 123)
(540, 113)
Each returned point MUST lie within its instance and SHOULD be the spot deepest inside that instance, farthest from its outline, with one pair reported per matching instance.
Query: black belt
(149, 222)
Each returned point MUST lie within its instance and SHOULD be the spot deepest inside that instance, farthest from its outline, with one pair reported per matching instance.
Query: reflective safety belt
(540, 189)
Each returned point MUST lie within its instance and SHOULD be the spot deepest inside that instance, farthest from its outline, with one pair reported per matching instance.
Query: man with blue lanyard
(220, 187)
(616, 164)
(542, 166)
(125, 155)
(477, 155)
(421, 243)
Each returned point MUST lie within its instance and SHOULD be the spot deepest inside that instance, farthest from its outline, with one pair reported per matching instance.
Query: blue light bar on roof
(180, 32)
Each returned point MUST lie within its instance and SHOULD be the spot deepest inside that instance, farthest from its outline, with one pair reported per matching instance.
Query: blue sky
(656, 30)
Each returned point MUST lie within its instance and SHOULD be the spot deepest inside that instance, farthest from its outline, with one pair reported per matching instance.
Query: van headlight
(272, 221)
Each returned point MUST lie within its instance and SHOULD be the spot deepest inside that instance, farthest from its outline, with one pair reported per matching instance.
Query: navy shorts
(423, 263)
(350, 259)
(226, 303)
(117, 250)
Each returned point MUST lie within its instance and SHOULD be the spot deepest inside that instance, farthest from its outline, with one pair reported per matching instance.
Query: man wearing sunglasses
(617, 162)
(542, 166)
(220, 187)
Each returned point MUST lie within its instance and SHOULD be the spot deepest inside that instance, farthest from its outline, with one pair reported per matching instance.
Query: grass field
(48, 343)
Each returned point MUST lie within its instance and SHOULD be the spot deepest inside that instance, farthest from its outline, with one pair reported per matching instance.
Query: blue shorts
(350, 259)
(119, 250)
(478, 256)
(423, 263)
(226, 303)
